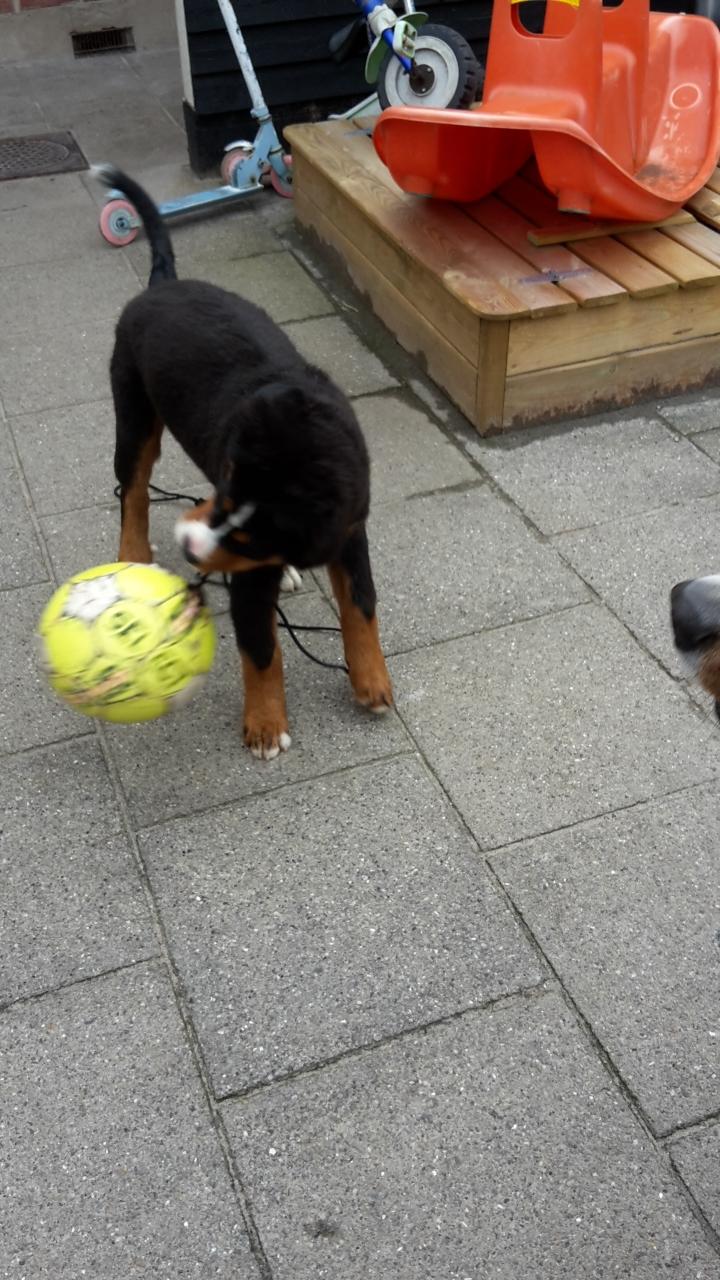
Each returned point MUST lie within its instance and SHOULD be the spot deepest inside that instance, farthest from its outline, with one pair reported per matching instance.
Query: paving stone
(59, 84)
(130, 130)
(48, 223)
(597, 471)
(196, 759)
(408, 451)
(548, 722)
(30, 713)
(709, 442)
(205, 245)
(274, 281)
(633, 563)
(67, 457)
(699, 412)
(626, 910)
(64, 316)
(331, 345)
(72, 905)
(77, 540)
(18, 106)
(456, 562)
(382, 919)
(22, 561)
(492, 1146)
(697, 1159)
(111, 1165)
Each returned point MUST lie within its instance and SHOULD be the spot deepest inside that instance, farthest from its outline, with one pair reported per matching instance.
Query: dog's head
(293, 479)
(695, 613)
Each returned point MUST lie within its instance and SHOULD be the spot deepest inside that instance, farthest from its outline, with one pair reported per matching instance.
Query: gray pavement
(434, 996)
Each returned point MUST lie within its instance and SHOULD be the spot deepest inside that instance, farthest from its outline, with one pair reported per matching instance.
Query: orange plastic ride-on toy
(621, 107)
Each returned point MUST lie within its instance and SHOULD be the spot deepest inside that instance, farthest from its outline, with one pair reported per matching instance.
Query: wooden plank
(444, 363)
(485, 275)
(614, 380)
(639, 277)
(636, 275)
(431, 299)
(713, 182)
(631, 324)
(585, 229)
(491, 366)
(687, 267)
(701, 239)
(588, 287)
(706, 206)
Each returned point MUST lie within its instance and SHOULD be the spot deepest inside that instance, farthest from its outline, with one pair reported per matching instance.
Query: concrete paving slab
(67, 458)
(48, 223)
(633, 563)
(274, 281)
(64, 317)
(205, 245)
(30, 713)
(382, 919)
(494, 1145)
(111, 1164)
(699, 412)
(131, 131)
(709, 442)
(598, 471)
(77, 540)
(697, 1159)
(196, 759)
(408, 451)
(548, 722)
(626, 910)
(331, 345)
(22, 562)
(72, 904)
(59, 84)
(18, 104)
(456, 562)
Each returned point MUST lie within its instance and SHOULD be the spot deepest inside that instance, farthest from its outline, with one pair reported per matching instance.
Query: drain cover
(40, 154)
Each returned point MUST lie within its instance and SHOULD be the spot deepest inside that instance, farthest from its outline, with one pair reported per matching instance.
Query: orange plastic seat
(620, 105)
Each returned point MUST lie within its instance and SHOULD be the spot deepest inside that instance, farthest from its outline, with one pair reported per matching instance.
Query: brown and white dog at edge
(282, 449)
(695, 615)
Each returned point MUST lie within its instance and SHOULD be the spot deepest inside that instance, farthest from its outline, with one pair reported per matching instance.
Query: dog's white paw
(270, 750)
(291, 580)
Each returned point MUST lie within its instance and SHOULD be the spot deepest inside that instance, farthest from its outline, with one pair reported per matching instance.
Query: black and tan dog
(695, 616)
(281, 447)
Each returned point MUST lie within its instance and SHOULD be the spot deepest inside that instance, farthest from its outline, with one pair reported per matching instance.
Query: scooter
(246, 167)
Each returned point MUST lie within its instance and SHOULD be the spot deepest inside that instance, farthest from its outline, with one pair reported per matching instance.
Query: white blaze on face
(197, 538)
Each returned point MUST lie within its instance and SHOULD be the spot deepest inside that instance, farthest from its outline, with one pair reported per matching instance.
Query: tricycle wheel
(119, 222)
(446, 73)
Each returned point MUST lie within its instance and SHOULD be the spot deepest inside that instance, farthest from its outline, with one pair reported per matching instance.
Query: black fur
(264, 425)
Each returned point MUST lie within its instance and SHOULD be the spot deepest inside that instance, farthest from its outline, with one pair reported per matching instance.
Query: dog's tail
(163, 258)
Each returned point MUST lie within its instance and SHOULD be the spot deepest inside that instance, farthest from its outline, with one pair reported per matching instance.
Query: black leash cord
(164, 495)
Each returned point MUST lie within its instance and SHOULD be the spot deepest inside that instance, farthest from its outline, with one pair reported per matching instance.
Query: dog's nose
(695, 612)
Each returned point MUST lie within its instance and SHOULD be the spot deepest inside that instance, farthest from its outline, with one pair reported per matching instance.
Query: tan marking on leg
(361, 641)
(709, 670)
(134, 527)
(265, 722)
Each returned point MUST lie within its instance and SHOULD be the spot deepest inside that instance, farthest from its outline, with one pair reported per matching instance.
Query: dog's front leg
(253, 596)
(354, 590)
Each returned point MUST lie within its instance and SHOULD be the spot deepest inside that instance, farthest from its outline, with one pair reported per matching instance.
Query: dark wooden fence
(288, 42)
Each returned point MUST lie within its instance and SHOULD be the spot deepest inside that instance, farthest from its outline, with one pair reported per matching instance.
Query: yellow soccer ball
(126, 642)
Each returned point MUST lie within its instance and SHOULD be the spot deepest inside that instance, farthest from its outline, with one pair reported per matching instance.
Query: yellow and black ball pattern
(126, 642)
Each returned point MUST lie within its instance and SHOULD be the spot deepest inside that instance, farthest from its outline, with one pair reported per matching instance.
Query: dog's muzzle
(695, 612)
(198, 540)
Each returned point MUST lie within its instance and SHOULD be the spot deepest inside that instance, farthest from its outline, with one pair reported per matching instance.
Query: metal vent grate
(43, 153)
(108, 40)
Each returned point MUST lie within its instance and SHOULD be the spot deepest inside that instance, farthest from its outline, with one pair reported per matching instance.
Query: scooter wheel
(446, 73)
(230, 162)
(116, 223)
(283, 186)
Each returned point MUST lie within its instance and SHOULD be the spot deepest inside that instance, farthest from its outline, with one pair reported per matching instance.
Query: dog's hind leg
(253, 596)
(354, 589)
(137, 449)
